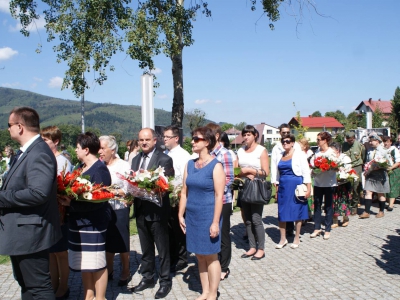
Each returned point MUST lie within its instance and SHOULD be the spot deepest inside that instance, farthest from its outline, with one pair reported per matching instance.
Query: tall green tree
(377, 118)
(316, 114)
(394, 119)
(91, 31)
(338, 115)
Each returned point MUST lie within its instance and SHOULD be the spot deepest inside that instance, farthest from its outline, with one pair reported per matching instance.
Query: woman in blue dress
(293, 170)
(201, 200)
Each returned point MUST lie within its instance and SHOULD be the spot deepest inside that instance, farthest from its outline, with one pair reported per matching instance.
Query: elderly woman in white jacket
(292, 170)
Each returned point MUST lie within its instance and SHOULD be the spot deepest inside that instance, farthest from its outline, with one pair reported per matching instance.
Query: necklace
(201, 165)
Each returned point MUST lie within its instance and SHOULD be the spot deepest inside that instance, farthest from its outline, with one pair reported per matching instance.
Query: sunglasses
(285, 132)
(286, 142)
(318, 140)
(12, 124)
(197, 139)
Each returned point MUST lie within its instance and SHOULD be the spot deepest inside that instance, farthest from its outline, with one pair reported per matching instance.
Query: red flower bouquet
(325, 163)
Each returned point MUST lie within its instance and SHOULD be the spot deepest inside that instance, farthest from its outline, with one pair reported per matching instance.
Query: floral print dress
(343, 191)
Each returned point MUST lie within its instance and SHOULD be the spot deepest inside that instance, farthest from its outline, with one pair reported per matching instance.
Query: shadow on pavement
(390, 257)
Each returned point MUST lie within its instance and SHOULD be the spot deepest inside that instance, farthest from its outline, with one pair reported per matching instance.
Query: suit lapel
(153, 160)
(19, 161)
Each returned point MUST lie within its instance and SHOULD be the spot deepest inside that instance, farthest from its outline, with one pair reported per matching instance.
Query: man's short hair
(28, 117)
(216, 129)
(174, 129)
(284, 125)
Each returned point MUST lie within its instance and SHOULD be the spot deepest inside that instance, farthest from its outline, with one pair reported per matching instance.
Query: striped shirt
(225, 158)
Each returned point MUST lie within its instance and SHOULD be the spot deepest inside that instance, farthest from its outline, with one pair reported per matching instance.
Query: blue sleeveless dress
(289, 208)
(200, 209)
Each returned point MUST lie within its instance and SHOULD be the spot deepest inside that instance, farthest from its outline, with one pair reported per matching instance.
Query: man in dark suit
(29, 218)
(152, 220)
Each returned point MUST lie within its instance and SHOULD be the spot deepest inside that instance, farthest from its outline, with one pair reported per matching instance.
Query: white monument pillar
(369, 119)
(147, 101)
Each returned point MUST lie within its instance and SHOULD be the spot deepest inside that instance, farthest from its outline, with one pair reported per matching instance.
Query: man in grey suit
(29, 218)
(152, 220)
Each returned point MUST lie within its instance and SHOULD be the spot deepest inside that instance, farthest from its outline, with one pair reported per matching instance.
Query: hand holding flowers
(324, 164)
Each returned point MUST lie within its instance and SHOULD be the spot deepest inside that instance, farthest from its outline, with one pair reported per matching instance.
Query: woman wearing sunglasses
(292, 170)
(324, 187)
(201, 200)
(253, 160)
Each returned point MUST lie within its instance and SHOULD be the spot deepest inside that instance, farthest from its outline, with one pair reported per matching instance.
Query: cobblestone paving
(361, 261)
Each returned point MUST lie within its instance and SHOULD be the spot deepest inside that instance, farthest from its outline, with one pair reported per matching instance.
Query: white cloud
(156, 71)
(55, 82)
(10, 85)
(37, 79)
(5, 6)
(7, 53)
(35, 26)
(163, 96)
(201, 101)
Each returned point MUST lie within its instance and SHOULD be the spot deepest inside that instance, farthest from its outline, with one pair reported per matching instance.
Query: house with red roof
(316, 125)
(385, 106)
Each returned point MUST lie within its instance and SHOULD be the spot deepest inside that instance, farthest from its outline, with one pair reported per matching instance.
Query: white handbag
(300, 192)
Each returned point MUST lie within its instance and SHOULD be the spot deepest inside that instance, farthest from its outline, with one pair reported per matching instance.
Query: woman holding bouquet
(376, 178)
(324, 184)
(59, 270)
(343, 192)
(117, 240)
(394, 171)
(88, 223)
(201, 199)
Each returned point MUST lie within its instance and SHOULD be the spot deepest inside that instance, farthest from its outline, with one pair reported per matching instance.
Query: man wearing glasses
(29, 217)
(177, 239)
(284, 131)
(356, 151)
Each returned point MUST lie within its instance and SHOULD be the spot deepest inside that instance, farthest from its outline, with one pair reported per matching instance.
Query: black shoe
(226, 274)
(389, 208)
(247, 255)
(180, 266)
(143, 285)
(125, 281)
(163, 291)
(65, 296)
(258, 258)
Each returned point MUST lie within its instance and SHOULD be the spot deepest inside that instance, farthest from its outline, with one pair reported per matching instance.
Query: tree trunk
(177, 103)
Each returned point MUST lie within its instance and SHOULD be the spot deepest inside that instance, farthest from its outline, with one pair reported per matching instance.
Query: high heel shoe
(294, 246)
(315, 233)
(280, 246)
(226, 274)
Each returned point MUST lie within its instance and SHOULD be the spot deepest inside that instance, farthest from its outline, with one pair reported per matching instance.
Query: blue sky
(238, 69)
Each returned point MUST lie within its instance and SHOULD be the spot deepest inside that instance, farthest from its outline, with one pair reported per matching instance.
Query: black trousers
(226, 247)
(154, 233)
(177, 239)
(33, 275)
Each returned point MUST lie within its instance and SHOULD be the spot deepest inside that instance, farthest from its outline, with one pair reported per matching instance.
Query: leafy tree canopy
(316, 114)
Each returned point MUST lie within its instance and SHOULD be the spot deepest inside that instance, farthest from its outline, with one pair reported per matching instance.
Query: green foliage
(300, 129)
(394, 119)
(195, 118)
(268, 145)
(226, 126)
(355, 120)
(316, 114)
(338, 115)
(187, 145)
(240, 126)
(377, 118)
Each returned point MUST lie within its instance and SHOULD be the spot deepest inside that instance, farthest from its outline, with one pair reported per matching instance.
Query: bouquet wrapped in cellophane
(147, 185)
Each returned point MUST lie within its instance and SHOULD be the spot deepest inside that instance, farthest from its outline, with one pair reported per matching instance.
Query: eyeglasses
(286, 142)
(197, 139)
(12, 124)
(168, 137)
(285, 132)
(318, 140)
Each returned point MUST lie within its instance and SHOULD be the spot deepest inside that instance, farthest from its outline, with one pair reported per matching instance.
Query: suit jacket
(151, 211)
(29, 217)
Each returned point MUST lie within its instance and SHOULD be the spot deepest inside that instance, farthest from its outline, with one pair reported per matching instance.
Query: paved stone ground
(361, 261)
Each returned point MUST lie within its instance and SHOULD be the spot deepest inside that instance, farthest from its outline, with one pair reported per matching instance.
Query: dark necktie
(16, 157)
(143, 165)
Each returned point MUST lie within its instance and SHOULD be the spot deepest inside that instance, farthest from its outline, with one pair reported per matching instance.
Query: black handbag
(256, 191)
